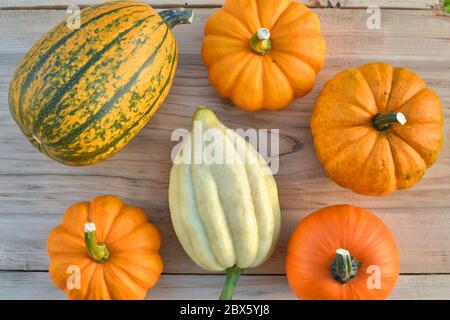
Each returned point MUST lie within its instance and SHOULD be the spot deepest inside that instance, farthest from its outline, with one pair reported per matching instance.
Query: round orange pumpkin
(262, 54)
(342, 252)
(104, 249)
(377, 128)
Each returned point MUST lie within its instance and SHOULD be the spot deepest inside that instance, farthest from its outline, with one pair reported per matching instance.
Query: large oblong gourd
(80, 95)
(226, 215)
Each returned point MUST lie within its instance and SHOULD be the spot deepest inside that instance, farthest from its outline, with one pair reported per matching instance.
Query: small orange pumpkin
(262, 54)
(104, 249)
(377, 128)
(342, 252)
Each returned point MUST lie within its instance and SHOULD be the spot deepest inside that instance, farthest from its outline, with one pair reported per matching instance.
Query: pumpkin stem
(382, 122)
(260, 42)
(231, 281)
(174, 17)
(96, 251)
(344, 267)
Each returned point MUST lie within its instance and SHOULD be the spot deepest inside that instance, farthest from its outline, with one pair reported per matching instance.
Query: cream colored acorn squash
(226, 215)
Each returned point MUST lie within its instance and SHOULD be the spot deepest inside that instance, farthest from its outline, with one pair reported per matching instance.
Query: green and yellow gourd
(225, 213)
(80, 95)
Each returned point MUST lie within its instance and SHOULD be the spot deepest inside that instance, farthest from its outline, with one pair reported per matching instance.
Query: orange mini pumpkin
(104, 249)
(261, 54)
(377, 128)
(342, 252)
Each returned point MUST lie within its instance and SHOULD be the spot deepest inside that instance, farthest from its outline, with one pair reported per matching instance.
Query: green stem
(344, 267)
(231, 281)
(446, 6)
(174, 17)
(382, 122)
(260, 42)
(97, 251)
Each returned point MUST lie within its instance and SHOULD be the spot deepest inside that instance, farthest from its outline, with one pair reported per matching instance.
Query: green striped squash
(80, 95)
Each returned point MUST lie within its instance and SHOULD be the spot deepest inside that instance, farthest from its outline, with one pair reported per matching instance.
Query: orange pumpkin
(342, 252)
(104, 249)
(261, 54)
(377, 128)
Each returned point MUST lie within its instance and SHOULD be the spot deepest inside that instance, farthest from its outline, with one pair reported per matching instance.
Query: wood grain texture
(34, 191)
(405, 4)
(37, 285)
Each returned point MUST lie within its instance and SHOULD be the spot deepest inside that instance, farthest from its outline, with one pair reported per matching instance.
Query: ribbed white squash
(228, 214)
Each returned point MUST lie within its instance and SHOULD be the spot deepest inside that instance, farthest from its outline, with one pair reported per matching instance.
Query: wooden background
(35, 191)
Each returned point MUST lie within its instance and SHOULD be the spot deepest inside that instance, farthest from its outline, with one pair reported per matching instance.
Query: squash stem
(382, 122)
(231, 281)
(96, 251)
(175, 17)
(344, 267)
(260, 42)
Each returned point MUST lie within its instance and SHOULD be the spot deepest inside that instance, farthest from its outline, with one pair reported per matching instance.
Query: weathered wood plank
(420, 232)
(405, 4)
(35, 191)
(37, 285)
